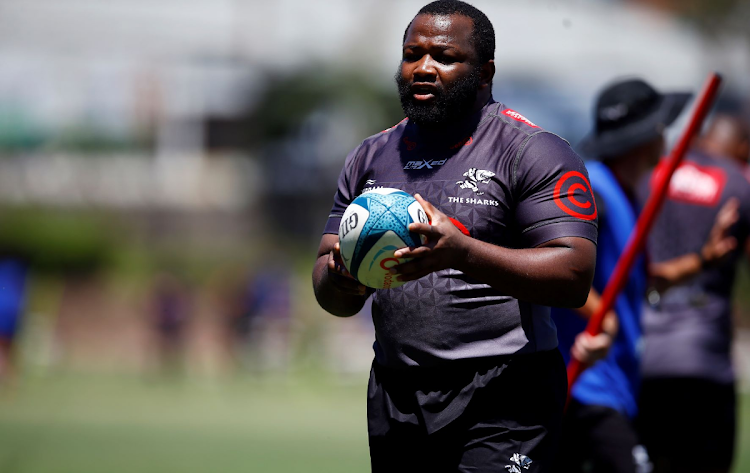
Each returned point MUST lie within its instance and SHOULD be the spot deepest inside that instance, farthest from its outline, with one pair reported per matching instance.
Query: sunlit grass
(93, 424)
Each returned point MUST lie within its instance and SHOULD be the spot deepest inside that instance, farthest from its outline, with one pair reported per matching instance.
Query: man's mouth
(423, 92)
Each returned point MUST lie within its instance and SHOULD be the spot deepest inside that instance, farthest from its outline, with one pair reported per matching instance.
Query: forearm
(719, 244)
(549, 275)
(675, 271)
(330, 298)
(611, 324)
(588, 309)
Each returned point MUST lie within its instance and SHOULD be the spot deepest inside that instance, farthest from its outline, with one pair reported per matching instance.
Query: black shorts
(599, 439)
(498, 414)
(688, 424)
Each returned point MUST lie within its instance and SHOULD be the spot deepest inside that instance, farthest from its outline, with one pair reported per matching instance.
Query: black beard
(451, 104)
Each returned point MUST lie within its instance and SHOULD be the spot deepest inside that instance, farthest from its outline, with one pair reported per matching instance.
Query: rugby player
(466, 375)
(688, 380)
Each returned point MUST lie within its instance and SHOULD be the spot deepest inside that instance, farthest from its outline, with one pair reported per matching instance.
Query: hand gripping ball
(373, 227)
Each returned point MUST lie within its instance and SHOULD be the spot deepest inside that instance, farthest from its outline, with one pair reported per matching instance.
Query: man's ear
(486, 73)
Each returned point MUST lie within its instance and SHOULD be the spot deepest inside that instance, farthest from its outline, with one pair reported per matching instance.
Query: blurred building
(164, 89)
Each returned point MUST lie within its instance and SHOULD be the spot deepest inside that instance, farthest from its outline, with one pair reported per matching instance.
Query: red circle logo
(574, 196)
(395, 261)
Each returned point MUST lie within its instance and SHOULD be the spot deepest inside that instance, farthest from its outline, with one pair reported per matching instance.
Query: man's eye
(410, 57)
(446, 59)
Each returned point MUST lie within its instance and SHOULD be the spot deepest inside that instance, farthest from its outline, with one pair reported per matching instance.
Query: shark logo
(521, 461)
(473, 177)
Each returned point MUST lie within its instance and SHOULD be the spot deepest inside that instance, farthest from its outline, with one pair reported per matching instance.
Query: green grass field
(85, 423)
(79, 424)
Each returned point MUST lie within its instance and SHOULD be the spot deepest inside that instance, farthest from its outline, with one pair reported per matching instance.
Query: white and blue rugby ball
(373, 227)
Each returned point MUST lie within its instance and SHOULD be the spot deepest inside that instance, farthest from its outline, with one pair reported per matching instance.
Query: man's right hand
(335, 289)
(720, 242)
(588, 349)
(340, 277)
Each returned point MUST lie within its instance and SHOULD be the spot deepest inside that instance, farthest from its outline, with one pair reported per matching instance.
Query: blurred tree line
(302, 129)
(54, 241)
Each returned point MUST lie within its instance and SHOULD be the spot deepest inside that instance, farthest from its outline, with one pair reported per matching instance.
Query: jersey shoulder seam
(505, 120)
(519, 153)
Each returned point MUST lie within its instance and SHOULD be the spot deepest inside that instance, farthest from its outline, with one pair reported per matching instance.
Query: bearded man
(467, 375)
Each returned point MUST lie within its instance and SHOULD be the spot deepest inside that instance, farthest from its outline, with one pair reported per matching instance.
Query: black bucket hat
(630, 113)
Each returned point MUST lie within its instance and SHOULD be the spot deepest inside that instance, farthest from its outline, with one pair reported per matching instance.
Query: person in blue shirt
(13, 276)
(627, 142)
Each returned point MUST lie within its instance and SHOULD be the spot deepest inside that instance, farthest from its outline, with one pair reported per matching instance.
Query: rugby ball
(373, 227)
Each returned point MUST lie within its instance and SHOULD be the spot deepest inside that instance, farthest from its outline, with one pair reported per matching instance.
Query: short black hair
(483, 35)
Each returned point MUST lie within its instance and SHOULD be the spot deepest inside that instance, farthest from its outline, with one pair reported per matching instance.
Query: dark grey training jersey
(503, 180)
(687, 333)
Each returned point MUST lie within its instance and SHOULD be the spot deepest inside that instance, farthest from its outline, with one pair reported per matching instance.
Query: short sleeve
(345, 192)
(553, 193)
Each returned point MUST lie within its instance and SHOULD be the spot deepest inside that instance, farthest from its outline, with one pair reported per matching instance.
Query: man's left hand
(445, 246)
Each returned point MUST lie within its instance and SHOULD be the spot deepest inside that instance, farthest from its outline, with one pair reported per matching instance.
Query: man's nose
(425, 70)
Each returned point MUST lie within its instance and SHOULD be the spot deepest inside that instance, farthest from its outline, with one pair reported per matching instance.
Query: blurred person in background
(257, 308)
(687, 405)
(627, 141)
(240, 306)
(265, 324)
(170, 311)
(466, 373)
(13, 288)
